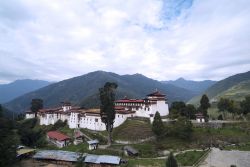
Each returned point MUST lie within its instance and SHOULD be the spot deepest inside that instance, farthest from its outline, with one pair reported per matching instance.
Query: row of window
(130, 104)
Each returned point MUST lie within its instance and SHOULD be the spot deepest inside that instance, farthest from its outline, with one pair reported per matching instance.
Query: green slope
(236, 92)
(222, 86)
(83, 90)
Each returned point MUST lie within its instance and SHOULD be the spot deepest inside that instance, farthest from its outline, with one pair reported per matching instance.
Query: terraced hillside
(133, 130)
(237, 92)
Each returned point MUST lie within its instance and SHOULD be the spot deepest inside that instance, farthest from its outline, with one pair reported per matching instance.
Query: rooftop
(57, 135)
(93, 141)
(156, 93)
(102, 159)
(57, 155)
(129, 101)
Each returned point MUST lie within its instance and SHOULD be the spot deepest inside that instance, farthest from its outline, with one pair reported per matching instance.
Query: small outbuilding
(57, 138)
(200, 117)
(93, 144)
(130, 151)
(57, 157)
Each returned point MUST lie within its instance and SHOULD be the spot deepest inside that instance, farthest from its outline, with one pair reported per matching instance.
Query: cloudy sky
(168, 39)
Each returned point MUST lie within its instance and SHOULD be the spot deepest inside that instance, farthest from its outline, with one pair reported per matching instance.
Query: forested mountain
(195, 86)
(233, 84)
(83, 90)
(19, 87)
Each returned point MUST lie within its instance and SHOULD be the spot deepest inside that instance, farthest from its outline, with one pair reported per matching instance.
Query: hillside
(195, 86)
(19, 87)
(83, 90)
(236, 92)
(222, 86)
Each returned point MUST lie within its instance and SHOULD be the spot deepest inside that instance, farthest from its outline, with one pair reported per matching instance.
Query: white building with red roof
(90, 118)
(57, 138)
(147, 107)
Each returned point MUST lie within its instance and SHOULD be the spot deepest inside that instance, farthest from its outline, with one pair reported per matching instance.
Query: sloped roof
(129, 101)
(130, 149)
(156, 93)
(57, 135)
(102, 159)
(57, 155)
(93, 141)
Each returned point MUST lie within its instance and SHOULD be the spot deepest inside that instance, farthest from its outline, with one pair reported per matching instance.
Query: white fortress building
(90, 118)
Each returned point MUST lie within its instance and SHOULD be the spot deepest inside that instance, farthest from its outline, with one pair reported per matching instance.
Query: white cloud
(55, 40)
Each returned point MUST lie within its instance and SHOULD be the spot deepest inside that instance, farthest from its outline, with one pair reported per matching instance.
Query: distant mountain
(19, 87)
(195, 86)
(234, 84)
(83, 90)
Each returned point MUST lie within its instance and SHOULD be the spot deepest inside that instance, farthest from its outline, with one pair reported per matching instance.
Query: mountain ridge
(79, 89)
(222, 86)
(195, 86)
(19, 87)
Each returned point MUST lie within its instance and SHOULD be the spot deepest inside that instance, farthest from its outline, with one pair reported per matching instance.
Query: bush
(59, 124)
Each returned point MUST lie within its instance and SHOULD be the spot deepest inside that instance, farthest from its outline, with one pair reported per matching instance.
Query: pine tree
(171, 161)
(204, 105)
(157, 126)
(107, 98)
(36, 105)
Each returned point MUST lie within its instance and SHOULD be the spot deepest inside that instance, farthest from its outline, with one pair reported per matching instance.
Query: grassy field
(95, 135)
(145, 162)
(189, 158)
(240, 147)
(133, 130)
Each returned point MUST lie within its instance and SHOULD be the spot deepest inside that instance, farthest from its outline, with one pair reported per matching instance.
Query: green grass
(146, 149)
(172, 143)
(189, 158)
(241, 147)
(133, 130)
(95, 135)
(145, 162)
(66, 130)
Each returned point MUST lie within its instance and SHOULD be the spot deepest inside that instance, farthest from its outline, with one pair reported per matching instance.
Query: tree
(190, 111)
(8, 141)
(204, 105)
(171, 161)
(29, 135)
(183, 128)
(157, 126)
(245, 105)
(226, 105)
(177, 109)
(107, 99)
(36, 105)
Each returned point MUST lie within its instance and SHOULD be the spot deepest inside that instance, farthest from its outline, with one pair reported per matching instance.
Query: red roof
(157, 93)
(57, 135)
(129, 101)
(199, 115)
(119, 107)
